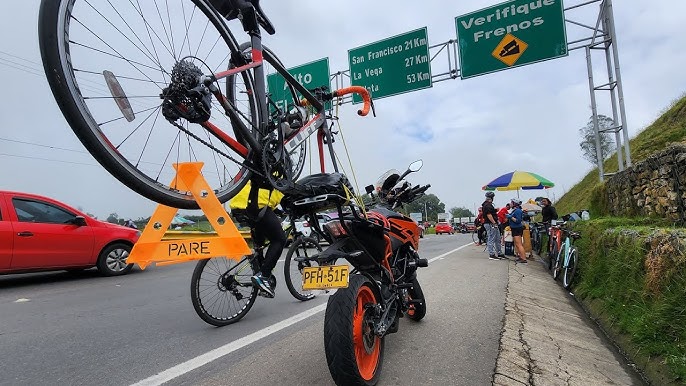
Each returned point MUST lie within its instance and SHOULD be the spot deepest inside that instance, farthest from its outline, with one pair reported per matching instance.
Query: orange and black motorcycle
(379, 285)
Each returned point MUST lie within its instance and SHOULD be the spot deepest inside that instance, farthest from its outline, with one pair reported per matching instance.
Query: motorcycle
(381, 245)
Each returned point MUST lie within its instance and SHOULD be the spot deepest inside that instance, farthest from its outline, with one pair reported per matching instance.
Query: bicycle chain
(215, 148)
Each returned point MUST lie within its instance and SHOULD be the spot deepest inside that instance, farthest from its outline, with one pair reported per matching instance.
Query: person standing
(502, 220)
(492, 232)
(516, 223)
(548, 211)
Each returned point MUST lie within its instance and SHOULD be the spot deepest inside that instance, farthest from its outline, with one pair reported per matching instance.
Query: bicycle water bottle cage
(186, 97)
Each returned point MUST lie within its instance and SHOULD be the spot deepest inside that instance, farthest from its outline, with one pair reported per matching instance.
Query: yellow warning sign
(509, 50)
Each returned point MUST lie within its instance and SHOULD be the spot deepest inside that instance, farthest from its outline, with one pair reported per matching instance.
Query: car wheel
(112, 260)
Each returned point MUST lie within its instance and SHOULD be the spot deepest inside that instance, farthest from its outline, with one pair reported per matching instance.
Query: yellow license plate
(328, 276)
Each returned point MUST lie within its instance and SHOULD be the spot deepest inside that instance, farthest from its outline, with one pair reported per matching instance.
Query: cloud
(467, 132)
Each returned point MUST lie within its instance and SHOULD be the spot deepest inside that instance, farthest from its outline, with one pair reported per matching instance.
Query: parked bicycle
(554, 242)
(536, 230)
(566, 259)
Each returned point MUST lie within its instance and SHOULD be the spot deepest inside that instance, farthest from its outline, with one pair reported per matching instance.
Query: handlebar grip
(364, 93)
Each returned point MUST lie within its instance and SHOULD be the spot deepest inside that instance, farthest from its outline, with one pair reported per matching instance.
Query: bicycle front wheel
(570, 269)
(112, 66)
(302, 253)
(221, 290)
(559, 262)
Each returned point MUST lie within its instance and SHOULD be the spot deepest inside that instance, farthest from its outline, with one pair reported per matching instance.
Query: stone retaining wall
(655, 187)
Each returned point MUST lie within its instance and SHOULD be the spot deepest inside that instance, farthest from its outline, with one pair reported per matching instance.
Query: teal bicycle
(567, 259)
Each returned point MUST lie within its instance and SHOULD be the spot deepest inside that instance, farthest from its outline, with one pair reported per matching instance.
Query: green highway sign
(311, 75)
(511, 34)
(392, 66)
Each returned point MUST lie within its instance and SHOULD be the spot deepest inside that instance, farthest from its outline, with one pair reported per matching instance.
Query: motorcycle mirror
(369, 189)
(415, 166)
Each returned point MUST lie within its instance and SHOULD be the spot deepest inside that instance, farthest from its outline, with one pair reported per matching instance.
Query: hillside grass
(668, 129)
(632, 273)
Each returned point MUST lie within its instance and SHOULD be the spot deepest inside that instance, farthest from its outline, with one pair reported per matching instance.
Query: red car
(444, 227)
(41, 234)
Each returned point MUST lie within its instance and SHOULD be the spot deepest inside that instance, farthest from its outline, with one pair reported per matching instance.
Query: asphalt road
(81, 329)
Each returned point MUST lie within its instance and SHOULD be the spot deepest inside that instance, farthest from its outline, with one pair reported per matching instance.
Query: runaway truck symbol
(510, 48)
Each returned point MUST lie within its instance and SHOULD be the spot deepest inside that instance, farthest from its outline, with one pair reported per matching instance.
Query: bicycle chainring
(277, 166)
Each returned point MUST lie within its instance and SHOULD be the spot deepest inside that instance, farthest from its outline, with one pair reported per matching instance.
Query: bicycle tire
(475, 237)
(203, 281)
(539, 243)
(302, 247)
(570, 269)
(552, 255)
(559, 262)
(138, 59)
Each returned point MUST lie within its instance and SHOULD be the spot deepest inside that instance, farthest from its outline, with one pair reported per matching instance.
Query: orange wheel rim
(366, 344)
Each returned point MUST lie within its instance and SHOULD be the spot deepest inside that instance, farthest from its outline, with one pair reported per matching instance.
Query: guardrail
(184, 235)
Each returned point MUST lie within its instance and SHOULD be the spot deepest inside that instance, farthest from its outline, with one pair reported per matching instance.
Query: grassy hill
(669, 128)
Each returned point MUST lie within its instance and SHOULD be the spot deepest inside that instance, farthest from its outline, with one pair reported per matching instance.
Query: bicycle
(567, 259)
(554, 243)
(145, 85)
(536, 230)
(478, 235)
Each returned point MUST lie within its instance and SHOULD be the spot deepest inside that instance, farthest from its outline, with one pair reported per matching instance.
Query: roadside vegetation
(632, 274)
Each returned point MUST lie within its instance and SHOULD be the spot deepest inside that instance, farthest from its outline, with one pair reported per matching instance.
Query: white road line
(449, 252)
(201, 360)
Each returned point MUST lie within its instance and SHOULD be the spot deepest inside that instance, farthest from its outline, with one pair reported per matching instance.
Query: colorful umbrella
(518, 180)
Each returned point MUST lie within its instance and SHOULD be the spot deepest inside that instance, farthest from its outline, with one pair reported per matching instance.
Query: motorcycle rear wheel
(354, 353)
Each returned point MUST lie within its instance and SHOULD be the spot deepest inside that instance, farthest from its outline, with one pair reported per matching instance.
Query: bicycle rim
(559, 261)
(570, 269)
(108, 62)
(221, 290)
(297, 258)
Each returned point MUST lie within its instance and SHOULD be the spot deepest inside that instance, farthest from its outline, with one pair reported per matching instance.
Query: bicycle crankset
(277, 166)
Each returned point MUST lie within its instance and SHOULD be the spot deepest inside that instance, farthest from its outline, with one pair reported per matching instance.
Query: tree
(461, 212)
(431, 209)
(113, 218)
(588, 144)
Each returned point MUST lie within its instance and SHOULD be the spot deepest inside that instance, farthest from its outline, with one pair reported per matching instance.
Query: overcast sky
(466, 131)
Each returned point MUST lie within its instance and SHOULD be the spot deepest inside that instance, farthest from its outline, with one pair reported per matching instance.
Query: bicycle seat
(231, 8)
(575, 235)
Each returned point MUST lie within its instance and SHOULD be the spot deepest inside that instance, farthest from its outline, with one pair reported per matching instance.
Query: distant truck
(417, 216)
(444, 217)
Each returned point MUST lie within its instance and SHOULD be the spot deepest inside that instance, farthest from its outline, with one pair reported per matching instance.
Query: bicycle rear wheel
(221, 290)
(570, 269)
(300, 255)
(109, 61)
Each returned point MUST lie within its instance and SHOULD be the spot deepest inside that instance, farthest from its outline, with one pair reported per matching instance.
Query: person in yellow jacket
(255, 204)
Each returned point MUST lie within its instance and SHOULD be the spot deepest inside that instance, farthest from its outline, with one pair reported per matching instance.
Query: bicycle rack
(228, 241)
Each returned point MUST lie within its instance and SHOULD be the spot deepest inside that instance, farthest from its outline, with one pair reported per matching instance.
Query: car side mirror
(79, 221)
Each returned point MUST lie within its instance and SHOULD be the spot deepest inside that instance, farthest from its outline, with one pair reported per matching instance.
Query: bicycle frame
(316, 123)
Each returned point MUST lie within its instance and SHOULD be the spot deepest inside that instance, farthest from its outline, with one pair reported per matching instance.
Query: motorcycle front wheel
(417, 309)
(354, 353)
